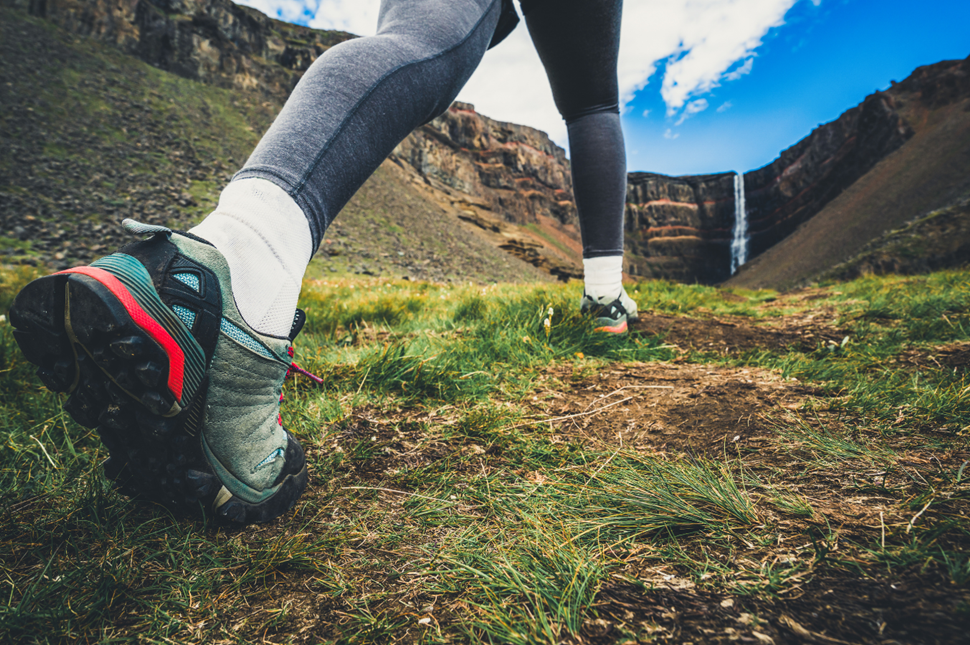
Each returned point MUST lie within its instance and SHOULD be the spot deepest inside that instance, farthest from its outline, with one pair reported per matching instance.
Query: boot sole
(93, 345)
(127, 375)
(233, 509)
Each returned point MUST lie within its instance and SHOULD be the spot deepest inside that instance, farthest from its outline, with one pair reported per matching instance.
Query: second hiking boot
(612, 316)
(151, 350)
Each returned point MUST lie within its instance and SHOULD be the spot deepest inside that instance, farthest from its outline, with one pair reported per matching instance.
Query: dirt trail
(672, 410)
(660, 407)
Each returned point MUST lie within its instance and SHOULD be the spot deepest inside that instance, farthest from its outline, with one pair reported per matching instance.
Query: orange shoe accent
(618, 329)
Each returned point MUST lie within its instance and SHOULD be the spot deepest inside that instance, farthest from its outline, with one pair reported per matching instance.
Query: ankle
(603, 277)
(267, 243)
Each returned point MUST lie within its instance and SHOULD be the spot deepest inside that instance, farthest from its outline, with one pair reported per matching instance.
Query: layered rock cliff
(930, 171)
(213, 41)
(818, 168)
(513, 170)
(679, 228)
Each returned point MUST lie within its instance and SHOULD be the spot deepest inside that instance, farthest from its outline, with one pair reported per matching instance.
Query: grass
(451, 501)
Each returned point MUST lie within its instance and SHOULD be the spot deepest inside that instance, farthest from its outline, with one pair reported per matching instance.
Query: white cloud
(511, 85)
(696, 42)
(298, 11)
(694, 107)
(724, 107)
(670, 134)
(356, 16)
(740, 71)
(712, 35)
(646, 113)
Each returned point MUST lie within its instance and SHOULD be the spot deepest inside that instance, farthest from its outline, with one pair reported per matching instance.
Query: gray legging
(362, 97)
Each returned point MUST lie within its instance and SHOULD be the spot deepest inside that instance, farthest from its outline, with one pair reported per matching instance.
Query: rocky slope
(90, 135)
(469, 162)
(798, 184)
(511, 169)
(930, 171)
(939, 240)
(213, 41)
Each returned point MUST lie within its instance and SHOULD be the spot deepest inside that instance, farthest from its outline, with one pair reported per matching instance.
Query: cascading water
(739, 243)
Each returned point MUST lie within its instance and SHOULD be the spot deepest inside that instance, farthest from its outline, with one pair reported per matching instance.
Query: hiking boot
(151, 350)
(610, 317)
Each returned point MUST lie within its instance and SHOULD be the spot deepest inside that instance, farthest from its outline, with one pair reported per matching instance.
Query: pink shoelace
(296, 369)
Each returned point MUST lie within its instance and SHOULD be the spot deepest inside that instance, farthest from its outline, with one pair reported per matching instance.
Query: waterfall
(739, 243)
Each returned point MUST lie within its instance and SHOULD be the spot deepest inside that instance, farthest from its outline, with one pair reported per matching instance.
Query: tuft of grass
(637, 497)
(534, 586)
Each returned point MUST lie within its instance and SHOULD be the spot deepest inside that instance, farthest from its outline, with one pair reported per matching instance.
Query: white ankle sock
(267, 242)
(603, 277)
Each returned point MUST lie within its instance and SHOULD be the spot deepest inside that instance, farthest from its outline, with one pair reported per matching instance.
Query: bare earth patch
(731, 335)
(664, 406)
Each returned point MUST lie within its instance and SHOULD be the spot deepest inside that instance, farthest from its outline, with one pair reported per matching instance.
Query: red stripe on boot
(176, 358)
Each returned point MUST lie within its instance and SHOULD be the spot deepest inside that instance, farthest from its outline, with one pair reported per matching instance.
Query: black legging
(578, 42)
(362, 97)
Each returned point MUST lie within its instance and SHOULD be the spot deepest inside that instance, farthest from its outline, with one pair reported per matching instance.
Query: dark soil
(725, 335)
(954, 355)
(661, 407)
(827, 609)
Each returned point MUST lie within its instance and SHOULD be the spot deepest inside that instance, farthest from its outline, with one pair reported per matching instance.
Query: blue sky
(711, 85)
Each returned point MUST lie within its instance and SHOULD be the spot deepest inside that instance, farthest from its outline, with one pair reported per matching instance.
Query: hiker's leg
(578, 42)
(349, 111)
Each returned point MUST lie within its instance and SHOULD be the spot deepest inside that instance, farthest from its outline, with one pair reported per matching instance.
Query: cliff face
(213, 41)
(513, 170)
(817, 169)
(679, 228)
(930, 171)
